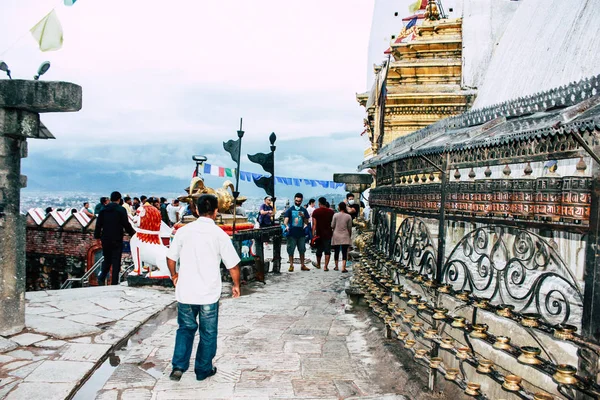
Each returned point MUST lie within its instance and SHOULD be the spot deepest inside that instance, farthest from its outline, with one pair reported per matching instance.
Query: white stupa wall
(546, 44)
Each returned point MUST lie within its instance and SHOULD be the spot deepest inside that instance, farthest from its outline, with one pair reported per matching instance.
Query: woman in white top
(342, 232)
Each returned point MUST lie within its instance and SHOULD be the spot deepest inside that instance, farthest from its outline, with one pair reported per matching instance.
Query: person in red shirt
(321, 229)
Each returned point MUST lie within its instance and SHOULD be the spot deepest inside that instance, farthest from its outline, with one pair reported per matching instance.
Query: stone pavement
(68, 333)
(295, 337)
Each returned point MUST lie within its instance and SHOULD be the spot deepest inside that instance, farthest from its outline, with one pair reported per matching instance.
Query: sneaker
(203, 377)
(304, 268)
(291, 268)
(176, 375)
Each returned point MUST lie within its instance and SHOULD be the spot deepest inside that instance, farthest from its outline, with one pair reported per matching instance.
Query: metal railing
(85, 279)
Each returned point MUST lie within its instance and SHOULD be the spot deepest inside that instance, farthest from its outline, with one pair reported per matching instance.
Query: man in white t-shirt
(200, 247)
(173, 210)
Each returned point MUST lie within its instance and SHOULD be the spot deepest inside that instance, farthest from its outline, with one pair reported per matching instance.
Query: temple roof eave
(535, 116)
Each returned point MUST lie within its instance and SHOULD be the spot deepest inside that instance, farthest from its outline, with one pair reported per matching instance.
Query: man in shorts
(321, 229)
(294, 219)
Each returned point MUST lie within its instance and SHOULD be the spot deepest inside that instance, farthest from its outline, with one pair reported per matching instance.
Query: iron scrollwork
(382, 232)
(517, 267)
(414, 249)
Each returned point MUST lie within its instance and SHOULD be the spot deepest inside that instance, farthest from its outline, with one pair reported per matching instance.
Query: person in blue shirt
(294, 220)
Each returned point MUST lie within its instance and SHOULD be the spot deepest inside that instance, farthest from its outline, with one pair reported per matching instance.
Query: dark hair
(126, 198)
(311, 201)
(86, 202)
(207, 204)
(175, 201)
(299, 195)
(143, 197)
(162, 199)
(48, 210)
(327, 204)
(115, 196)
(342, 206)
(135, 198)
(323, 200)
(73, 210)
(349, 195)
(103, 199)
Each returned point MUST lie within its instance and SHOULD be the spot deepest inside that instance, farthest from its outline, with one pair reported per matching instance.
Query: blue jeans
(205, 319)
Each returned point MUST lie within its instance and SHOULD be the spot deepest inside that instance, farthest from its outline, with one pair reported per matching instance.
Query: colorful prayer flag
(48, 32)
(417, 5)
(69, 3)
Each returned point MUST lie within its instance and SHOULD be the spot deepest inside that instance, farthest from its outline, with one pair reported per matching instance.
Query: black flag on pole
(233, 148)
(264, 160)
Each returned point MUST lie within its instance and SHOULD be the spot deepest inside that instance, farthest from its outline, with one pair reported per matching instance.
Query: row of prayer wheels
(548, 198)
(379, 289)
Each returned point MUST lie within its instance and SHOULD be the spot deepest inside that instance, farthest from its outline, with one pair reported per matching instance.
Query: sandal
(325, 269)
(336, 269)
(344, 270)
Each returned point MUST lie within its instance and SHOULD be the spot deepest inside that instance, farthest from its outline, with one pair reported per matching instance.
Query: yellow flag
(414, 7)
(48, 32)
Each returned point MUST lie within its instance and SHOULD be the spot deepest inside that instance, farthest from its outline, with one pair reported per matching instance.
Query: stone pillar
(21, 102)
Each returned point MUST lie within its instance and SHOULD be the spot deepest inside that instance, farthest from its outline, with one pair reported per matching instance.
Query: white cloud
(151, 70)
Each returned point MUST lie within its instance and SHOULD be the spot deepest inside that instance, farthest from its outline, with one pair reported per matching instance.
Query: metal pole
(236, 193)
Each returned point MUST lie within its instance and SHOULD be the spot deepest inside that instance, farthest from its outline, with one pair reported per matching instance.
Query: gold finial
(432, 11)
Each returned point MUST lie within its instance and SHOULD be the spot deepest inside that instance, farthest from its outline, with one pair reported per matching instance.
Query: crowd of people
(321, 226)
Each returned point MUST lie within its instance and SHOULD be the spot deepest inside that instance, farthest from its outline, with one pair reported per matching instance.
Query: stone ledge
(40, 96)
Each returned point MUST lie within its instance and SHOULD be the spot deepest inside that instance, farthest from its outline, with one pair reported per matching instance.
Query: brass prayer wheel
(512, 383)
(465, 295)
(402, 335)
(481, 303)
(530, 320)
(430, 334)
(447, 343)
(422, 305)
(463, 353)
(529, 355)
(472, 389)
(458, 322)
(505, 310)
(485, 366)
(416, 326)
(407, 317)
(420, 353)
(564, 332)
(565, 374)
(502, 343)
(451, 373)
(434, 362)
(440, 313)
(479, 331)
(444, 288)
(399, 311)
(409, 343)
(414, 299)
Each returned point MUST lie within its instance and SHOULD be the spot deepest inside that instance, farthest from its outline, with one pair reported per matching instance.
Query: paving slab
(39, 390)
(7, 345)
(58, 328)
(51, 371)
(27, 339)
(84, 352)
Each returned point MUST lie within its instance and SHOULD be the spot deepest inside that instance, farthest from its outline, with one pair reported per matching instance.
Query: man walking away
(294, 220)
(109, 229)
(321, 229)
(265, 213)
(200, 247)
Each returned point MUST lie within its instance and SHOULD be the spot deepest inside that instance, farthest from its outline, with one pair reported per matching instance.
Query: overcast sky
(176, 77)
